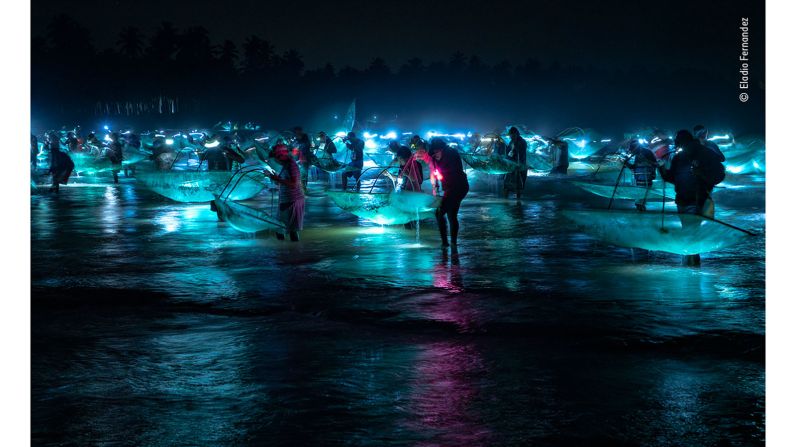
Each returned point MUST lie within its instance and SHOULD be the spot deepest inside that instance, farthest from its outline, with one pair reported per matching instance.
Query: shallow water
(155, 324)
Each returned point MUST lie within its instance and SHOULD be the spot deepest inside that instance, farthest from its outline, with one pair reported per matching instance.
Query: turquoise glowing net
(682, 234)
(632, 192)
(245, 218)
(387, 208)
(491, 164)
(200, 186)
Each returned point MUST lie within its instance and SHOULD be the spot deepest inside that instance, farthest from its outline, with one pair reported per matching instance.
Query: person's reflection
(447, 274)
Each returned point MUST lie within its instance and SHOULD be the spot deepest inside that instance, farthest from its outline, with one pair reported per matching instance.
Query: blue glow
(169, 141)
(212, 144)
(643, 141)
(370, 144)
(341, 134)
(369, 135)
(107, 137)
(106, 127)
(606, 140)
(391, 135)
(719, 137)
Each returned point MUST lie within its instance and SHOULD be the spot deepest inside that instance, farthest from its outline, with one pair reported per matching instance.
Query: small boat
(683, 234)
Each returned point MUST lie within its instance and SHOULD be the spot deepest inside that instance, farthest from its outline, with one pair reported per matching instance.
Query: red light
(438, 175)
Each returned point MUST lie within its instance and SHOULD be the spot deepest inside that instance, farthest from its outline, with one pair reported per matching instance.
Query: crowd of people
(691, 162)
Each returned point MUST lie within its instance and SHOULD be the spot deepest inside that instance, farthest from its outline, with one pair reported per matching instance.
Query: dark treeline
(180, 77)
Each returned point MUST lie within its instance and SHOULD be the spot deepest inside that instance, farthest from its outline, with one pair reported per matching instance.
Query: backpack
(709, 167)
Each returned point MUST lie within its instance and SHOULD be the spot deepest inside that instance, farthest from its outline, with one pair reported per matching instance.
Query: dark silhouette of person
(61, 165)
(356, 146)
(643, 165)
(702, 133)
(692, 190)
(329, 148)
(517, 151)
(291, 195)
(448, 168)
(560, 156)
(115, 155)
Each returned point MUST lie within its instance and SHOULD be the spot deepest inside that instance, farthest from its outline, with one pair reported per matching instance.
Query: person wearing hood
(356, 146)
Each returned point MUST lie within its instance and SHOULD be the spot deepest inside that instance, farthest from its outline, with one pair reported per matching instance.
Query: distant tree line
(179, 76)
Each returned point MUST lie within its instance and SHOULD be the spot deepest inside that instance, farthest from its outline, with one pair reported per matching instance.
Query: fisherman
(231, 152)
(517, 151)
(689, 174)
(72, 144)
(94, 144)
(291, 195)
(409, 176)
(134, 142)
(216, 158)
(115, 155)
(447, 167)
(304, 147)
(329, 148)
(643, 167)
(474, 142)
(356, 146)
(560, 156)
(702, 133)
(61, 165)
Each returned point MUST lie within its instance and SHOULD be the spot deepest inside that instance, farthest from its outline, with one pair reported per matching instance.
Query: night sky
(606, 34)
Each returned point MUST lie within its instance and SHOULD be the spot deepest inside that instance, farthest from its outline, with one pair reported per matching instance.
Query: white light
(643, 141)
(169, 141)
(106, 127)
(212, 144)
(341, 134)
(107, 137)
(370, 135)
(606, 140)
(391, 135)
(719, 137)
(734, 169)
(407, 133)
(581, 144)
(460, 136)
(370, 144)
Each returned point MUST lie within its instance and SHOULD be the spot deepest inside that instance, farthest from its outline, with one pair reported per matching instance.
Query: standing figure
(356, 146)
(304, 147)
(61, 165)
(689, 172)
(115, 155)
(291, 195)
(560, 156)
(643, 167)
(517, 151)
(447, 167)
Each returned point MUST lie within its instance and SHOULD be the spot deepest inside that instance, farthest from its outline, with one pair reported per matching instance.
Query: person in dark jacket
(61, 165)
(447, 167)
(517, 151)
(643, 165)
(329, 148)
(115, 155)
(692, 191)
(702, 133)
(560, 156)
(356, 146)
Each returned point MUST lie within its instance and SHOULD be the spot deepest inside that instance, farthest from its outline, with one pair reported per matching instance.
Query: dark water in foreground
(154, 324)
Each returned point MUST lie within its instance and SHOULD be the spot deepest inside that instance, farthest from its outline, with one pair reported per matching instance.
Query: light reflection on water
(156, 324)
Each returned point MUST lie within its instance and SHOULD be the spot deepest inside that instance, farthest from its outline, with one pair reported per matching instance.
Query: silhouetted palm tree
(130, 42)
(163, 44)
